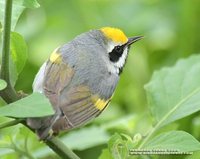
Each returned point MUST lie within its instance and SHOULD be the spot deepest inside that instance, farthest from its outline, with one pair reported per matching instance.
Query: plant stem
(10, 123)
(61, 149)
(8, 94)
(57, 146)
(151, 132)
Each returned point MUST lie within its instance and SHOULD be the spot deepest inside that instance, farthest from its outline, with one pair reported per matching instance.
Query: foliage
(171, 92)
(18, 8)
(174, 140)
(3, 84)
(18, 51)
(35, 105)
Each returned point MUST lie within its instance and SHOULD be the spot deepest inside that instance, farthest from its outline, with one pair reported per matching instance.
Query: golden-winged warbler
(79, 79)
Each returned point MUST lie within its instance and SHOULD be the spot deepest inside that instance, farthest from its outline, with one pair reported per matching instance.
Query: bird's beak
(134, 39)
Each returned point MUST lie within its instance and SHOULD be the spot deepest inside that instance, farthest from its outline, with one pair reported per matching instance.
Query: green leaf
(125, 123)
(35, 105)
(195, 155)
(5, 151)
(0, 28)
(27, 3)
(105, 154)
(117, 147)
(174, 92)
(2, 3)
(13, 72)
(3, 84)
(174, 140)
(16, 12)
(17, 9)
(87, 138)
(18, 51)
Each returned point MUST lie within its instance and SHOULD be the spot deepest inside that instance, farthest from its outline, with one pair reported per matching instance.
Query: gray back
(88, 56)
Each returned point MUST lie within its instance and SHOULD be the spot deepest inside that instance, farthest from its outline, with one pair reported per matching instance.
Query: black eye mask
(116, 53)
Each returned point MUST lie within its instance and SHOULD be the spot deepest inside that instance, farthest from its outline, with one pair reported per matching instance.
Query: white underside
(39, 78)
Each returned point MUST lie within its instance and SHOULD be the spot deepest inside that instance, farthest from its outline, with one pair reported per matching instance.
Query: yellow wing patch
(56, 57)
(114, 34)
(100, 104)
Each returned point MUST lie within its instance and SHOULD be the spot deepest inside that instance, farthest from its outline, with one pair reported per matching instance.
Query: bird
(79, 79)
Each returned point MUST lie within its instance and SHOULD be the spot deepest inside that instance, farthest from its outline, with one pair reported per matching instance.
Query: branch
(10, 123)
(8, 94)
(57, 146)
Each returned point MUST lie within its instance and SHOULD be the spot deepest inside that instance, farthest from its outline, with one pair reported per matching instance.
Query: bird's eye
(118, 49)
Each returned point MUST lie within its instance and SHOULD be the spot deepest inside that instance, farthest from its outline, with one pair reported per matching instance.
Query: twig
(57, 146)
(8, 94)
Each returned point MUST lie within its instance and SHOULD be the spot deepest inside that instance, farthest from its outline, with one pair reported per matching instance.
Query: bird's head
(117, 45)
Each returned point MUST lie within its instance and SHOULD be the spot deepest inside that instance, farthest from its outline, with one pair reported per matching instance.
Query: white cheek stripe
(122, 59)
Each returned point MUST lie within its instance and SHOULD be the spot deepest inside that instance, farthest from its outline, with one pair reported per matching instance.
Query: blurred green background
(171, 30)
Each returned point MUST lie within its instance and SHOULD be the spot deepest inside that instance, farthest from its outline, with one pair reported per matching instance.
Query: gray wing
(77, 105)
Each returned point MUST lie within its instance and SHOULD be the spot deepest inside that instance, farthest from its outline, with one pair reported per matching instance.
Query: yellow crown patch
(114, 34)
